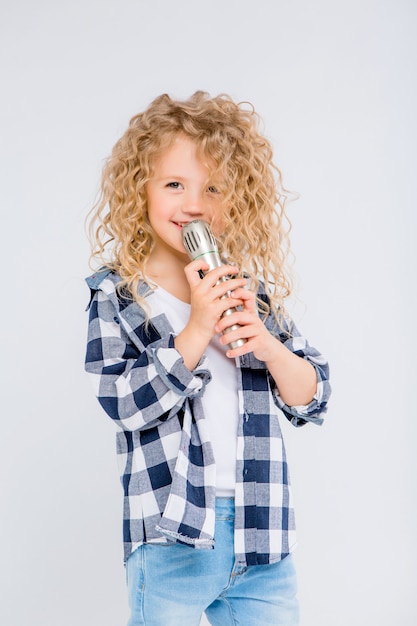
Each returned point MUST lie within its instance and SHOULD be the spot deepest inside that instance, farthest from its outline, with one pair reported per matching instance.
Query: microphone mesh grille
(198, 238)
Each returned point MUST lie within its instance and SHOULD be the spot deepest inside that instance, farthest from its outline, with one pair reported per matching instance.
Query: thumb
(195, 270)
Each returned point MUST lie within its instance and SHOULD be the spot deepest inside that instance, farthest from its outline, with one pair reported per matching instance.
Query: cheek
(218, 223)
(155, 207)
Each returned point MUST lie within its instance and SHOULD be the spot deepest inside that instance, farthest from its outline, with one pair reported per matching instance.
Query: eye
(213, 189)
(174, 185)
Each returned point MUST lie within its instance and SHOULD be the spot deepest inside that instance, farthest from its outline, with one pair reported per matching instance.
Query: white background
(335, 85)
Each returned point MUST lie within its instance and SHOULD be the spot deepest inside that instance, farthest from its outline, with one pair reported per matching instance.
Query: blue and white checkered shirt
(165, 456)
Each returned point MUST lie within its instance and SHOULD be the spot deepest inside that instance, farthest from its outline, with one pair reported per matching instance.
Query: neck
(168, 272)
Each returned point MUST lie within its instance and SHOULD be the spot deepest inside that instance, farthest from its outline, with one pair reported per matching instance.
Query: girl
(201, 455)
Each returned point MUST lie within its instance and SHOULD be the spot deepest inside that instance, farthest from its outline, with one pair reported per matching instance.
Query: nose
(193, 205)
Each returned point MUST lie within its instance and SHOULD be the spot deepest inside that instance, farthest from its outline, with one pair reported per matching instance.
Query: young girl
(208, 517)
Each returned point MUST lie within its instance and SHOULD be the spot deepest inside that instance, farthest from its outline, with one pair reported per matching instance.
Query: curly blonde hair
(255, 236)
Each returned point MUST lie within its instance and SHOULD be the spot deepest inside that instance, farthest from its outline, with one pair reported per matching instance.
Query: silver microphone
(200, 243)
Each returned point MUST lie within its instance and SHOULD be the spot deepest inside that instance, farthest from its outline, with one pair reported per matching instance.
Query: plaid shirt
(165, 456)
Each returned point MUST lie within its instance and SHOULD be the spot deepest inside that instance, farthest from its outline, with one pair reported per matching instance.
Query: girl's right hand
(209, 300)
(209, 295)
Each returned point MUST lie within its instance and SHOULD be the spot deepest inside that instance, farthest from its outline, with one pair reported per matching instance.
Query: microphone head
(198, 239)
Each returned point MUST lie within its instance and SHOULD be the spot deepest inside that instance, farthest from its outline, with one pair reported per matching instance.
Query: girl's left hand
(294, 376)
(258, 339)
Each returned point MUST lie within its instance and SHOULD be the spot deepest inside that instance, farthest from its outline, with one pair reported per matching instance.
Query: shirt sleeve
(315, 410)
(139, 389)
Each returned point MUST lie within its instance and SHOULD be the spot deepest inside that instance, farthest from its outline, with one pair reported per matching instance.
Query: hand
(209, 301)
(294, 376)
(210, 297)
(258, 339)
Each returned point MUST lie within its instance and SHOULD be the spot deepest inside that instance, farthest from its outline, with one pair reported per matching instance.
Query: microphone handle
(213, 260)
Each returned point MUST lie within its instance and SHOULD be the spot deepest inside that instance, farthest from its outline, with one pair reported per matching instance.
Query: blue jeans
(173, 584)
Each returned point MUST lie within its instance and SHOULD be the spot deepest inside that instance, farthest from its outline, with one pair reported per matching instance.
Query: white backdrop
(335, 85)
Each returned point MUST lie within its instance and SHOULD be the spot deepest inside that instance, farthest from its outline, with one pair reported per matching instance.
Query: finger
(237, 318)
(216, 274)
(231, 337)
(248, 297)
(242, 317)
(193, 271)
(225, 289)
(230, 305)
(233, 353)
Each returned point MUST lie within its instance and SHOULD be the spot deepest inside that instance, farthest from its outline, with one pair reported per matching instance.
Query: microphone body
(200, 243)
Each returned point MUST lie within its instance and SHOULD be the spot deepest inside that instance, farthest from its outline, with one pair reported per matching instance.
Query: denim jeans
(173, 584)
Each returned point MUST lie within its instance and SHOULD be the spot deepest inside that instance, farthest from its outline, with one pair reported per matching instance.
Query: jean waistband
(225, 507)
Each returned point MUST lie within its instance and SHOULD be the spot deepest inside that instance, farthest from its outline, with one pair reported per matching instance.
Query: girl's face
(177, 193)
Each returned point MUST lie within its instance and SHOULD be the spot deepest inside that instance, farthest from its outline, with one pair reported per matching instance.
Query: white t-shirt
(220, 400)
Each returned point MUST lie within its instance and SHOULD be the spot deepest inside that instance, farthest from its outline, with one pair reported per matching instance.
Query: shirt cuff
(299, 415)
(170, 367)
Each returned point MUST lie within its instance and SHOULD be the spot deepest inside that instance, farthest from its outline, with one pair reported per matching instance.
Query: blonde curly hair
(255, 236)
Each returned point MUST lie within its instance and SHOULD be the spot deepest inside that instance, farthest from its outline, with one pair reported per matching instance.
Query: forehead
(182, 152)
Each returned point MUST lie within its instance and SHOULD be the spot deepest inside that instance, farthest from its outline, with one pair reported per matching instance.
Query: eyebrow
(170, 177)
